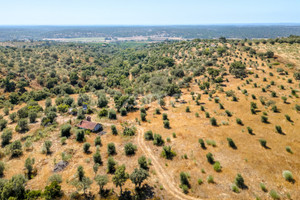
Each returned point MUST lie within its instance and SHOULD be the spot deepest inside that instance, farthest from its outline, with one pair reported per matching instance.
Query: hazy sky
(147, 12)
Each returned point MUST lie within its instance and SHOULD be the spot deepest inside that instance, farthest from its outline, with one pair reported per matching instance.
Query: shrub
(264, 119)
(201, 142)
(263, 143)
(129, 131)
(210, 158)
(111, 165)
(297, 107)
(168, 153)
(130, 149)
(263, 187)
(103, 113)
(288, 176)
(46, 147)
(239, 121)
(63, 140)
(80, 135)
(207, 115)
(288, 149)
(157, 111)
(158, 141)
(16, 148)
(278, 129)
(22, 125)
(2, 167)
(13, 116)
(239, 181)
(274, 195)
(184, 179)
(166, 124)
(217, 166)
(6, 137)
(65, 130)
(52, 191)
(97, 157)
(111, 149)
(148, 135)
(97, 141)
(143, 162)
(288, 118)
(235, 188)
(165, 116)
(200, 181)
(213, 121)
(114, 130)
(3, 124)
(228, 113)
(112, 114)
(123, 111)
(86, 147)
(250, 131)
(187, 109)
(210, 179)
(143, 117)
(231, 143)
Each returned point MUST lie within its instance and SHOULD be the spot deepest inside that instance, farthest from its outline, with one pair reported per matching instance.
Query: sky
(147, 12)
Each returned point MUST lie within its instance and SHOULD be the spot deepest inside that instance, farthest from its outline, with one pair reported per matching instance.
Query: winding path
(169, 185)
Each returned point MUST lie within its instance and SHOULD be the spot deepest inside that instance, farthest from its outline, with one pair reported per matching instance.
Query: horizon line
(211, 24)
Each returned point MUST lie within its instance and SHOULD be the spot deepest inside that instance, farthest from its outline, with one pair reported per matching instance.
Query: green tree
(138, 176)
(6, 137)
(120, 177)
(101, 180)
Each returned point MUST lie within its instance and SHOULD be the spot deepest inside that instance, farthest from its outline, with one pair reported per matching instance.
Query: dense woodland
(113, 81)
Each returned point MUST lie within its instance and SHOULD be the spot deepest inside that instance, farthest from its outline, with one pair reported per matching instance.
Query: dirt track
(163, 176)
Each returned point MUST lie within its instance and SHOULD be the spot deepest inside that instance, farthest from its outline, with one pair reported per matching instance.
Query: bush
(288, 149)
(98, 141)
(201, 142)
(165, 116)
(297, 107)
(239, 121)
(111, 149)
(103, 113)
(264, 119)
(288, 176)
(46, 147)
(13, 116)
(129, 131)
(2, 167)
(263, 143)
(166, 124)
(86, 147)
(123, 111)
(112, 114)
(278, 129)
(231, 143)
(111, 165)
(228, 113)
(148, 135)
(143, 162)
(3, 124)
(210, 179)
(168, 153)
(213, 121)
(210, 158)
(80, 135)
(130, 149)
(6, 137)
(250, 130)
(217, 166)
(143, 117)
(158, 141)
(97, 157)
(52, 191)
(288, 118)
(238, 69)
(184, 179)
(187, 109)
(263, 187)
(239, 181)
(235, 188)
(16, 148)
(22, 125)
(157, 111)
(274, 195)
(65, 130)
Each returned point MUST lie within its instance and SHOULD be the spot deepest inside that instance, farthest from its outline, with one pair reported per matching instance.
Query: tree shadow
(145, 192)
